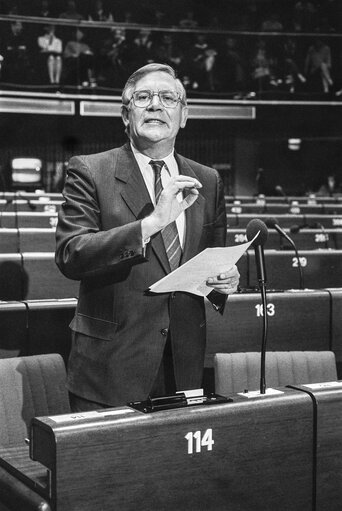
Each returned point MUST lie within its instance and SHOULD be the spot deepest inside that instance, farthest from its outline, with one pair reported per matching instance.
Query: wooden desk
(327, 398)
(24, 483)
(292, 325)
(249, 454)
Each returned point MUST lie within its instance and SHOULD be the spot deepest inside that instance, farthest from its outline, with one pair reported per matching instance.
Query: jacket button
(164, 331)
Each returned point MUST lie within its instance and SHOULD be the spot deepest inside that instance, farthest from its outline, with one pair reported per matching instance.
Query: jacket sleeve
(218, 300)
(83, 249)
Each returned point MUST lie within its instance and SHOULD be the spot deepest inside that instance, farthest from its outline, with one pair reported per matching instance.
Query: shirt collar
(144, 160)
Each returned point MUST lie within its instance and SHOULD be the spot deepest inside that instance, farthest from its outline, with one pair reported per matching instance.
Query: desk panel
(242, 220)
(321, 268)
(13, 279)
(328, 410)
(336, 327)
(9, 241)
(244, 458)
(44, 278)
(13, 331)
(29, 219)
(37, 239)
(298, 320)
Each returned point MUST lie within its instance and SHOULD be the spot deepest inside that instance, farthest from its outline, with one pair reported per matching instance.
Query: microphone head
(294, 229)
(252, 229)
(271, 222)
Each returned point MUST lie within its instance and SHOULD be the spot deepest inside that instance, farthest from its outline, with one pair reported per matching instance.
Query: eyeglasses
(168, 98)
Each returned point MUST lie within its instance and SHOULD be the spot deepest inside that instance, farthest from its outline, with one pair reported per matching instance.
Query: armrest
(16, 496)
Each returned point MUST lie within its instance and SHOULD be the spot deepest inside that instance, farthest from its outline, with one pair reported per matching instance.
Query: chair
(236, 372)
(29, 387)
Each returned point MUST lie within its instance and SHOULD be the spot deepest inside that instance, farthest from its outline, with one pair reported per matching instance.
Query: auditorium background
(264, 85)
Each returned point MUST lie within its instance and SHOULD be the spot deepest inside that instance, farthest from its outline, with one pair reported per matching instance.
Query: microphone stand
(300, 269)
(259, 250)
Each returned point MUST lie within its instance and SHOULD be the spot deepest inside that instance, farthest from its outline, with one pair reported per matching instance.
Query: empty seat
(237, 372)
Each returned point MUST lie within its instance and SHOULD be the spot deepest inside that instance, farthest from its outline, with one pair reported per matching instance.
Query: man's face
(154, 124)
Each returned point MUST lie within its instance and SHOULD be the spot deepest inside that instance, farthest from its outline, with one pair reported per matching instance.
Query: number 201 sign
(196, 441)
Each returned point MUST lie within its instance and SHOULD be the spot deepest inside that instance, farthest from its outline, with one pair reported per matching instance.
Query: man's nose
(155, 103)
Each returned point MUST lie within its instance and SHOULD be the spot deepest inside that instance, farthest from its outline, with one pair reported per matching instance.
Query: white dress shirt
(166, 174)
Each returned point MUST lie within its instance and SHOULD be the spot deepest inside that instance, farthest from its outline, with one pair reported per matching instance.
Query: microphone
(316, 225)
(253, 228)
(273, 223)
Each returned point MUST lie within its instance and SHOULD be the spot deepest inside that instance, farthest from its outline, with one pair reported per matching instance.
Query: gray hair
(145, 70)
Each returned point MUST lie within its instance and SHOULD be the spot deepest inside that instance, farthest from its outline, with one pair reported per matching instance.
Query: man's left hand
(225, 283)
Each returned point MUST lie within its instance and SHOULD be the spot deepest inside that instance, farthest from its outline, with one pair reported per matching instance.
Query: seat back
(236, 372)
(30, 386)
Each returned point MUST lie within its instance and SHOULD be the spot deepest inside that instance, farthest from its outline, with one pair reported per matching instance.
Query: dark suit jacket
(120, 329)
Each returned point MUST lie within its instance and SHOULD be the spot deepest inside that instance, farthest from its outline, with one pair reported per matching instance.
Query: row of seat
(287, 220)
(303, 238)
(34, 275)
(283, 209)
(282, 199)
(297, 320)
(273, 208)
(40, 239)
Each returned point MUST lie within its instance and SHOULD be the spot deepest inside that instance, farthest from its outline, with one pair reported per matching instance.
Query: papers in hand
(191, 277)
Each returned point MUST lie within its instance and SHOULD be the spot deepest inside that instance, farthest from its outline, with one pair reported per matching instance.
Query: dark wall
(245, 145)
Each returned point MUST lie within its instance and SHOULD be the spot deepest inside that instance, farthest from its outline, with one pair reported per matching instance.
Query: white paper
(191, 276)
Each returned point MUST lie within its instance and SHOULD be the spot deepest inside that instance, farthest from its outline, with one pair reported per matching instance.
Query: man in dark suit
(130, 216)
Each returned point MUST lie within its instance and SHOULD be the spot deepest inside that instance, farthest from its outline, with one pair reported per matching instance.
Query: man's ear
(184, 116)
(124, 115)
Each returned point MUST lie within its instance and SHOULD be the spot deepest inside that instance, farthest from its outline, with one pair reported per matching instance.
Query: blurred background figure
(292, 74)
(99, 13)
(16, 64)
(51, 48)
(231, 67)
(330, 187)
(200, 62)
(318, 67)
(111, 68)
(79, 61)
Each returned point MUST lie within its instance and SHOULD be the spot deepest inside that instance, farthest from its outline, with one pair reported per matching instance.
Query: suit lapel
(136, 196)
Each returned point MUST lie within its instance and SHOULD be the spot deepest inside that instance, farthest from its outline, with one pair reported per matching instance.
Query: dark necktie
(170, 232)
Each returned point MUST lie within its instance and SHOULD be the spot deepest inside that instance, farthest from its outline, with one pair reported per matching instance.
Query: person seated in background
(262, 67)
(51, 49)
(189, 20)
(16, 55)
(200, 60)
(111, 62)
(44, 10)
(96, 35)
(71, 12)
(318, 66)
(79, 61)
(291, 72)
(330, 187)
(231, 67)
(139, 50)
(165, 49)
(99, 13)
